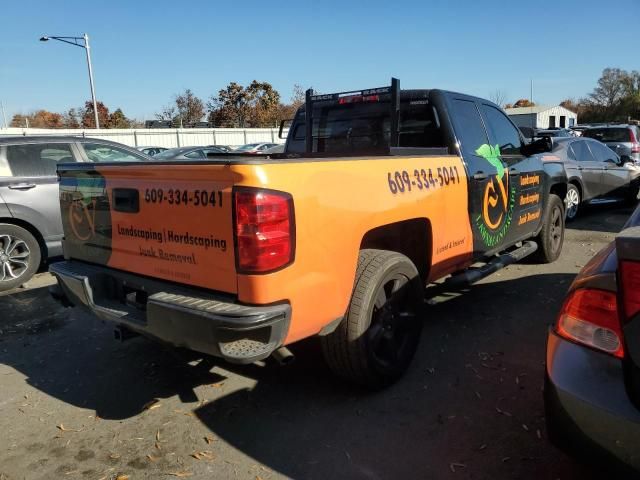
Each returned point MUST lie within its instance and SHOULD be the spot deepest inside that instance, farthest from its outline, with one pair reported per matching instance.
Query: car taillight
(635, 146)
(590, 317)
(630, 288)
(264, 227)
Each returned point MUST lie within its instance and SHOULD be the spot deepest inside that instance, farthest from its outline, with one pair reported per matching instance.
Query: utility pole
(4, 116)
(85, 44)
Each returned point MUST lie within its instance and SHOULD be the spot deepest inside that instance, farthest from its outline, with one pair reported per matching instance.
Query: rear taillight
(590, 317)
(630, 288)
(635, 146)
(264, 228)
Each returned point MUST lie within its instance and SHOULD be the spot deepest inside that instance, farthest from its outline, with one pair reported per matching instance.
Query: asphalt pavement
(74, 403)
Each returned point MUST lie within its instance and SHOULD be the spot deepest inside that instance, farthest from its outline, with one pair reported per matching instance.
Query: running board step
(473, 274)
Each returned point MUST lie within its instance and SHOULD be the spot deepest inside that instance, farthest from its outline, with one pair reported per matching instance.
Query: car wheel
(551, 236)
(572, 202)
(19, 256)
(376, 340)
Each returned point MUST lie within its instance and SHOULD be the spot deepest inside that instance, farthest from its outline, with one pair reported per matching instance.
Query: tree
(19, 121)
(190, 108)
(612, 87)
(523, 102)
(298, 97)
(264, 101)
(231, 107)
(118, 120)
(169, 112)
(38, 119)
(498, 97)
(88, 120)
(70, 119)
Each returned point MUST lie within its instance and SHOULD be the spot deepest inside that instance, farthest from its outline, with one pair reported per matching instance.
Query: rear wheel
(19, 256)
(572, 202)
(551, 236)
(377, 339)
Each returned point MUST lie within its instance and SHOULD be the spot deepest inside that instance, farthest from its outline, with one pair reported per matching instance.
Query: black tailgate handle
(126, 200)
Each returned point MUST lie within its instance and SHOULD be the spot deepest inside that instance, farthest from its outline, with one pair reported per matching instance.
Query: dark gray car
(189, 153)
(622, 139)
(30, 225)
(592, 382)
(596, 174)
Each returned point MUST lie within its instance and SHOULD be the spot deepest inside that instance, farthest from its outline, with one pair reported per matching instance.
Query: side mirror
(542, 145)
(288, 123)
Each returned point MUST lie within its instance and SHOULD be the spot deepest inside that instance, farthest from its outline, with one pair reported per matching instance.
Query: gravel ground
(76, 404)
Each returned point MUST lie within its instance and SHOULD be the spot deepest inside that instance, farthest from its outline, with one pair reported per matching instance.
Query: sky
(145, 52)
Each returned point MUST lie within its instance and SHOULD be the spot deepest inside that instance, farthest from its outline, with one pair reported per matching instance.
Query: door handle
(479, 176)
(580, 168)
(22, 186)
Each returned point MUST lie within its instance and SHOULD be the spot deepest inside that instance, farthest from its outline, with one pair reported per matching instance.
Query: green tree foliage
(616, 97)
(118, 120)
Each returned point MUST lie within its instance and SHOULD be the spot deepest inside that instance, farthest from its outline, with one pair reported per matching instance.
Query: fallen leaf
(114, 456)
(155, 403)
(62, 427)
(209, 440)
(180, 474)
(152, 458)
(158, 436)
(482, 447)
(526, 429)
(122, 476)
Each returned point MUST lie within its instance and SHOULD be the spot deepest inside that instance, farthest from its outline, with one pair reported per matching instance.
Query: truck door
(523, 176)
(489, 215)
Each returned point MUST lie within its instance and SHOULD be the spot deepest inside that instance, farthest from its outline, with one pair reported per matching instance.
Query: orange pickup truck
(379, 192)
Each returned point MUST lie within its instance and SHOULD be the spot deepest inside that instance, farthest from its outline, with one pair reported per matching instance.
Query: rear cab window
(36, 159)
(361, 128)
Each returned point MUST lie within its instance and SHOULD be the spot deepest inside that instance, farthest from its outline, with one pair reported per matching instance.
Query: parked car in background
(189, 153)
(151, 151)
(254, 147)
(275, 149)
(622, 139)
(596, 174)
(30, 222)
(224, 148)
(592, 381)
(554, 133)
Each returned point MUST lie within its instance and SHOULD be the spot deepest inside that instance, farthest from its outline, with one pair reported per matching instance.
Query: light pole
(85, 44)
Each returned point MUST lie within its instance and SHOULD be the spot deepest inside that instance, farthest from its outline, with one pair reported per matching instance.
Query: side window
(602, 153)
(501, 131)
(418, 126)
(195, 154)
(570, 153)
(98, 152)
(37, 160)
(582, 152)
(469, 128)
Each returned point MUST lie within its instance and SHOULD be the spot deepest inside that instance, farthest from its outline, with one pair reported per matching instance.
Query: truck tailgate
(170, 221)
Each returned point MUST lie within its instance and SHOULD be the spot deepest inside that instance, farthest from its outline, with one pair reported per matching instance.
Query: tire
(19, 256)
(376, 340)
(551, 236)
(572, 202)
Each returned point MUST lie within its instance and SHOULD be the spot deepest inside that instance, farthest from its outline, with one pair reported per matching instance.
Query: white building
(542, 117)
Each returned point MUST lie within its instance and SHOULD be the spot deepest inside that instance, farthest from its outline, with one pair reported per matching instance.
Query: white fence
(163, 137)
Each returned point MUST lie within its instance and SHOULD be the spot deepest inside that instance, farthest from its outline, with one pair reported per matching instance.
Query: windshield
(608, 134)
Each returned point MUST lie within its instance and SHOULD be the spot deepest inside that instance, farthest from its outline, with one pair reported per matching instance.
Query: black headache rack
(379, 94)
